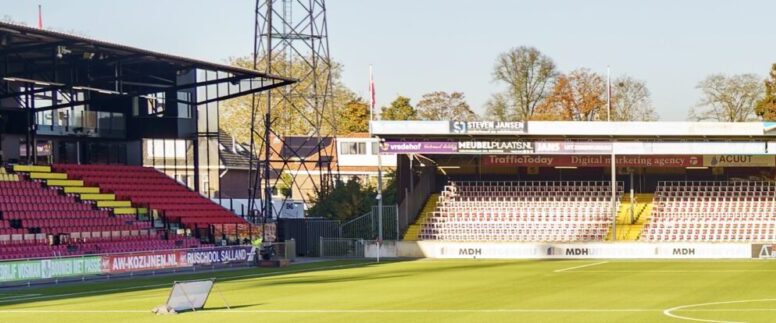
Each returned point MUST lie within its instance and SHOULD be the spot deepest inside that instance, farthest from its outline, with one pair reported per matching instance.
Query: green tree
(346, 201)
(400, 109)
(441, 105)
(354, 117)
(766, 107)
(728, 98)
(528, 75)
(389, 188)
(285, 184)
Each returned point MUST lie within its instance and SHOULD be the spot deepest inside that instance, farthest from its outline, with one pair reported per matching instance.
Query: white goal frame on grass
(191, 294)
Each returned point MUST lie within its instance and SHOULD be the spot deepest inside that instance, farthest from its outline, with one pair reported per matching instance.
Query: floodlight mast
(291, 39)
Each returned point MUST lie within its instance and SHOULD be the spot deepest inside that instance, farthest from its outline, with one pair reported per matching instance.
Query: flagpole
(371, 98)
(613, 162)
(40, 17)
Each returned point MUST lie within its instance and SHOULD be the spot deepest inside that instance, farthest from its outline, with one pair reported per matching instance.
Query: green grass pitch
(430, 291)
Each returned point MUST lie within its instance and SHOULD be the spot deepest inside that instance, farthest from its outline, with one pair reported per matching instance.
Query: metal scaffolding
(291, 38)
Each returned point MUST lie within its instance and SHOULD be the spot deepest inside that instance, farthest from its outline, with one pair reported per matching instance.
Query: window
(353, 148)
(156, 104)
(375, 148)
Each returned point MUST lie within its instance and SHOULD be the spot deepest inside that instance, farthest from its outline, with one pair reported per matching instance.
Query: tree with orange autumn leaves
(535, 90)
(581, 96)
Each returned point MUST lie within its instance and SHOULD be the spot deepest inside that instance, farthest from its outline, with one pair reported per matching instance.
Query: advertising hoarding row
(625, 250)
(121, 263)
(727, 153)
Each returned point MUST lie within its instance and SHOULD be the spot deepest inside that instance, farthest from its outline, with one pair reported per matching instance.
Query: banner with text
(573, 147)
(209, 256)
(589, 161)
(739, 161)
(488, 127)
(48, 268)
(152, 260)
(450, 147)
(419, 147)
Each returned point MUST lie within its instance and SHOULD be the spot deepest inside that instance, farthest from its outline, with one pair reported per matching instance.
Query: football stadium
(123, 199)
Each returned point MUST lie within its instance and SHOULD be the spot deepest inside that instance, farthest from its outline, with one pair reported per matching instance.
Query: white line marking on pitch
(168, 284)
(365, 311)
(582, 266)
(668, 312)
(681, 271)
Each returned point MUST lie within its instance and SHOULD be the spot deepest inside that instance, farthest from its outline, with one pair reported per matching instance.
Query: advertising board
(622, 250)
(209, 256)
(507, 146)
(589, 161)
(152, 260)
(48, 268)
(488, 127)
(739, 161)
(418, 147)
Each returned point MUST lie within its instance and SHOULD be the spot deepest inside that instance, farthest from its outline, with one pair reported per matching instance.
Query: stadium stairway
(413, 231)
(86, 193)
(629, 229)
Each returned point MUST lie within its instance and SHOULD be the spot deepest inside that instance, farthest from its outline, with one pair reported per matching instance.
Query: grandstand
(51, 214)
(83, 133)
(713, 211)
(521, 211)
(545, 181)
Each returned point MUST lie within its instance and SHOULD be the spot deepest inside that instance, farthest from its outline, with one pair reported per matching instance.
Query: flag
(40, 17)
(371, 91)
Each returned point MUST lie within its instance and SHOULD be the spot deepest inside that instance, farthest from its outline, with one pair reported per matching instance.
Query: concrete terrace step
(64, 182)
(82, 190)
(48, 175)
(98, 197)
(114, 204)
(31, 168)
(130, 210)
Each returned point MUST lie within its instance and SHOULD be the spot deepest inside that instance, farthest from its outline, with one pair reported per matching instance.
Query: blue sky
(422, 46)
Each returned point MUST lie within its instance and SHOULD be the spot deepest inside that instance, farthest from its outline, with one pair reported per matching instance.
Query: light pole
(613, 162)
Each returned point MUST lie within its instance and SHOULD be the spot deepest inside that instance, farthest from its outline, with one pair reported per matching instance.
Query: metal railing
(414, 200)
(367, 225)
(341, 248)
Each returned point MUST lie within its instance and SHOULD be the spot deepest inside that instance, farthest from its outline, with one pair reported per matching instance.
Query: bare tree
(528, 75)
(441, 105)
(728, 98)
(631, 101)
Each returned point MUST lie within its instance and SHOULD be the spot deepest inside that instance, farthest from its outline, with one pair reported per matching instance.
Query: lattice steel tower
(291, 39)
